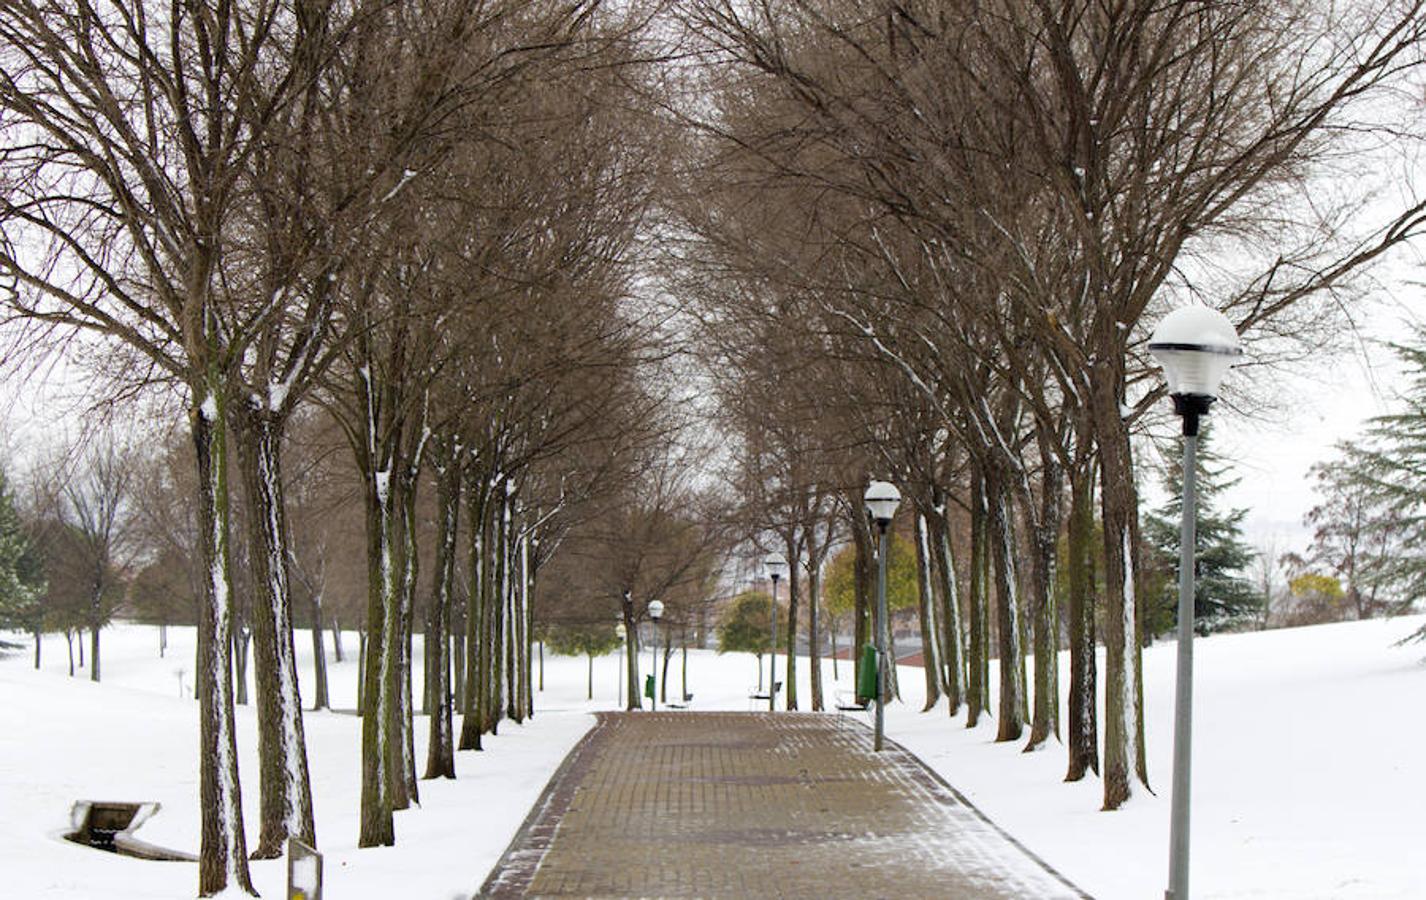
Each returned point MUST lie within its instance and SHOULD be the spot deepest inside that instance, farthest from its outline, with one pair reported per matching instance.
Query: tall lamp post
(1196, 346)
(775, 565)
(655, 613)
(881, 499)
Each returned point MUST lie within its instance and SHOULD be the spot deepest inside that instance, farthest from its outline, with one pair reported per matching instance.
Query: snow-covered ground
(1308, 775)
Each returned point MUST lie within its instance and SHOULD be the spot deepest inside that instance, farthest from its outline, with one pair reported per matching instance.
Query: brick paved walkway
(757, 805)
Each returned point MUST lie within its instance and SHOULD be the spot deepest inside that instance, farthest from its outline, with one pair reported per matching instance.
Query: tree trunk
(793, 598)
(590, 693)
(377, 822)
(1002, 545)
(322, 700)
(95, 611)
(893, 683)
(361, 670)
(440, 749)
(162, 639)
(457, 652)
(863, 576)
(814, 602)
(926, 610)
(952, 642)
(979, 698)
(40, 634)
(69, 641)
(428, 659)
(519, 627)
(1123, 722)
(505, 698)
(222, 854)
(337, 640)
(663, 677)
(528, 645)
(472, 698)
(1043, 609)
(408, 790)
(631, 640)
(79, 632)
(496, 671)
(1082, 730)
(489, 661)
(284, 787)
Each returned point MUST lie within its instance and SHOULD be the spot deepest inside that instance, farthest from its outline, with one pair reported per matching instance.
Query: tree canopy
(901, 588)
(744, 626)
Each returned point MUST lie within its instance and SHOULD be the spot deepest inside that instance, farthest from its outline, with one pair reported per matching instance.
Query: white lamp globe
(656, 610)
(881, 499)
(1196, 346)
(775, 564)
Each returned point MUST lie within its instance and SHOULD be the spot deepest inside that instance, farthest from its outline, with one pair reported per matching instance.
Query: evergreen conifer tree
(1223, 594)
(21, 569)
(1385, 474)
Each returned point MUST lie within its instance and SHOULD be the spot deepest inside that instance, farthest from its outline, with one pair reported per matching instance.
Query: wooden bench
(687, 699)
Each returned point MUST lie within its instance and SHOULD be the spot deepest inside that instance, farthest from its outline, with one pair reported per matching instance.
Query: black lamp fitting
(1191, 407)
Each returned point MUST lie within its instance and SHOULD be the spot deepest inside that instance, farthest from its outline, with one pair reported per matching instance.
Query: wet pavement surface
(678, 804)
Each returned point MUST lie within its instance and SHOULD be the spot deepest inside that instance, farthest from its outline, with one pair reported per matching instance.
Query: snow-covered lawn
(1308, 774)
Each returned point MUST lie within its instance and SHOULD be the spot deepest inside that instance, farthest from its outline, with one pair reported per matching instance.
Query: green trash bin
(866, 680)
(649, 686)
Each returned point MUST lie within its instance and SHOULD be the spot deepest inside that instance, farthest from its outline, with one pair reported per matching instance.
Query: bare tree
(97, 506)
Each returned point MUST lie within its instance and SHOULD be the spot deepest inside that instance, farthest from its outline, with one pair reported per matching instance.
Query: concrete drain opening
(111, 827)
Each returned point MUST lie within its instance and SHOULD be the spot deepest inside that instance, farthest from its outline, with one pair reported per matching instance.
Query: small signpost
(304, 871)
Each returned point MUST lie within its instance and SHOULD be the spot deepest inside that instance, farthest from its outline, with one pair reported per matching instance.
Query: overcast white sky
(1321, 408)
